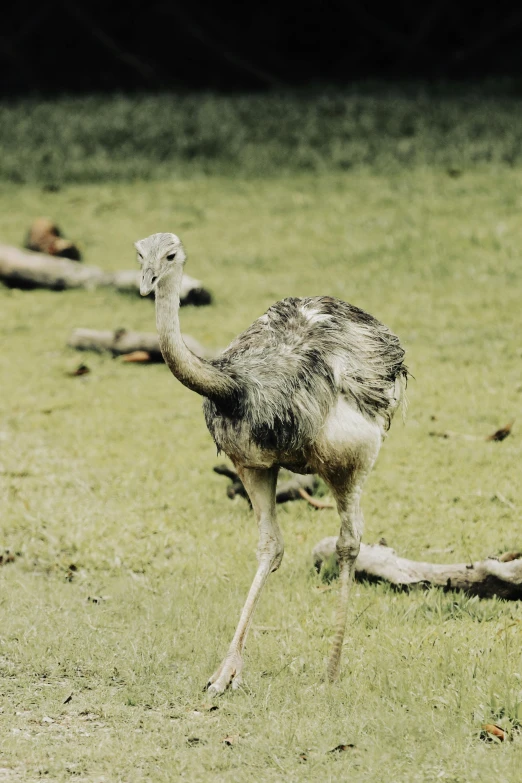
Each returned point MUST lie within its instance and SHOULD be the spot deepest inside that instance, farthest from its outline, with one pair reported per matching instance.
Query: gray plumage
(291, 364)
(312, 386)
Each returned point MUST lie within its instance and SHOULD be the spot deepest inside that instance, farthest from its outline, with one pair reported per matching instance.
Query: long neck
(197, 375)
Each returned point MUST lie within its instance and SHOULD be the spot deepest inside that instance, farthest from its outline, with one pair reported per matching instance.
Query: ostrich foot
(228, 674)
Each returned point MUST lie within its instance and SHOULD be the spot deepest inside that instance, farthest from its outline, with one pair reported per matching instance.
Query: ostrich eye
(171, 257)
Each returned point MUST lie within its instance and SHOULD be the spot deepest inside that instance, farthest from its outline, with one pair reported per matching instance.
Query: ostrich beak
(148, 281)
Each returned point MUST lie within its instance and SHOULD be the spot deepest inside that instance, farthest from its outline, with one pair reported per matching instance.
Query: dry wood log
(486, 578)
(289, 485)
(123, 341)
(27, 270)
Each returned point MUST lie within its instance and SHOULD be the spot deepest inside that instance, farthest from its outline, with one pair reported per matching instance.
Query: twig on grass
(504, 500)
(498, 435)
(319, 504)
(502, 433)
(451, 434)
(294, 488)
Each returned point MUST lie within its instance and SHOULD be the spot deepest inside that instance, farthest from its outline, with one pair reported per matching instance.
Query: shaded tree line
(86, 45)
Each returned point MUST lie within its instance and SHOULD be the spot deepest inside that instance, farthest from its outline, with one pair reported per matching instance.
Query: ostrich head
(158, 255)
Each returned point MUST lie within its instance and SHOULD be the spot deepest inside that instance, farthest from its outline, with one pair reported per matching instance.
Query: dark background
(89, 45)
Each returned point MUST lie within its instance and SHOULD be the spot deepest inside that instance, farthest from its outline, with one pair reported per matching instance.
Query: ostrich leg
(348, 545)
(347, 487)
(260, 484)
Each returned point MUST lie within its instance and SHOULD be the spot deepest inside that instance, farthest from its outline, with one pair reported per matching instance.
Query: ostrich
(311, 386)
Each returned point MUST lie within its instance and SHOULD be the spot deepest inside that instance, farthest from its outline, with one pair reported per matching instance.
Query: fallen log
(486, 578)
(290, 486)
(28, 270)
(123, 341)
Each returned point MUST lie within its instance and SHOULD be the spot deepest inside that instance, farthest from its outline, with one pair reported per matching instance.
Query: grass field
(168, 136)
(131, 564)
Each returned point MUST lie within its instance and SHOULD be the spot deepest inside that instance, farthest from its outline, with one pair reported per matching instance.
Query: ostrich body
(311, 386)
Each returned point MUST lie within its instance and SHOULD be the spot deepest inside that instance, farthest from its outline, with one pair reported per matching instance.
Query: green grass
(103, 139)
(112, 473)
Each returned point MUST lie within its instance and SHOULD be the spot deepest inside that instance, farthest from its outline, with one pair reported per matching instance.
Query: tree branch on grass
(123, 341)
(21, 269)
(295, 487)
(498, 435)
(486, 578)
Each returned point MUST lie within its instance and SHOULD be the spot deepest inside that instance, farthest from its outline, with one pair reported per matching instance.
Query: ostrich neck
(195, 374)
